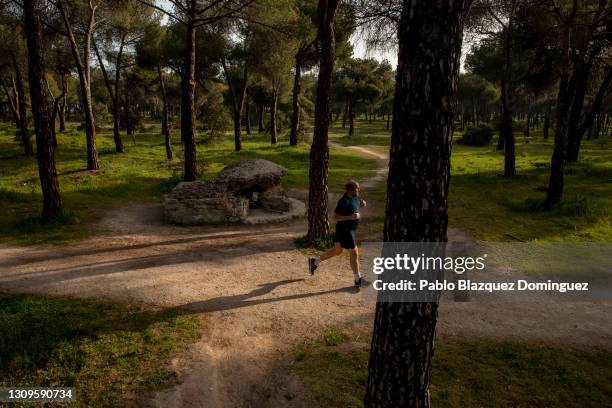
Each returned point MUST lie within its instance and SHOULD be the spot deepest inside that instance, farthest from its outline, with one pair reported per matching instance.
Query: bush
(477, 136)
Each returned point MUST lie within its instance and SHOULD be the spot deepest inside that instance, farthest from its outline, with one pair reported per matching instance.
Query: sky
(360, 50)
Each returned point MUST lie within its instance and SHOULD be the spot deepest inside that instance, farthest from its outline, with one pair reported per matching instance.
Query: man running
(347, 219)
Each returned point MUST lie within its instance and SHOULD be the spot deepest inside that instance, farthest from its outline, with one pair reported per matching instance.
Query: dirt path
(260, 303)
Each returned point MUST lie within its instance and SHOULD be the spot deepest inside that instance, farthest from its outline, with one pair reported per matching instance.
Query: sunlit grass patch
(141, 173)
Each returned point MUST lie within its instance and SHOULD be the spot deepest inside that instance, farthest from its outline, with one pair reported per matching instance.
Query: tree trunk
(90, 127)
(388, 120)
(547, 119)
(417, 192)
(188, 100)
(576, 130)
(116, 108)
(11, 97)
(260, 118)
(273, 135)
(318, 224)
(351, 117)
(23, 109)
(297, 89)
(557, 165)
(41, 112)
(84, 72)
(164, 116)
(64, 102)
(247, 115)
(506, 129)
(579, 79)
(237, 137)
(237, 102)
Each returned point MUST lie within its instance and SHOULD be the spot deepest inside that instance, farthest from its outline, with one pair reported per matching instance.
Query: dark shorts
(346, 237)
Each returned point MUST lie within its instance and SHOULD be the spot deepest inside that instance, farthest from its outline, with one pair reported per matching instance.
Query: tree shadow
(230, 302)
(206, 236)
(208, 252)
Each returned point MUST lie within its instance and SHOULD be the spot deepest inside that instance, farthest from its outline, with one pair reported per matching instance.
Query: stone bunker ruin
(248, 192)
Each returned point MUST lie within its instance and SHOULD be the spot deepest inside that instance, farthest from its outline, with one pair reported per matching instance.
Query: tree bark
(430, 36)
(351, 118)
(116, 107)
(297, 89)
(506, 128)
(318, 224)
(84, 72)
(164, 115)
(557, 165)
(41, 112)
(273, 129)
(547, 119)
(260, 118)
(113, 93)
(22, 108)
(576, 130)
(188, 83)
(64, 102)
(247, 115)
(11, 97)
(238, 98)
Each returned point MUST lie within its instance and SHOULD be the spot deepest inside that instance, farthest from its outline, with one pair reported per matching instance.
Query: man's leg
(354, 259)
(314, 262)
(335, 251)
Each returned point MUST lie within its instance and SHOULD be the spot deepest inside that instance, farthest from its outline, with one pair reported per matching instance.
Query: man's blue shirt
(348, 206)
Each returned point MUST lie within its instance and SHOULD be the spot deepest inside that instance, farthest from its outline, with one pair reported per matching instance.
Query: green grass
(475, 373)
(496, 208)
(108, 352)
(141, 173)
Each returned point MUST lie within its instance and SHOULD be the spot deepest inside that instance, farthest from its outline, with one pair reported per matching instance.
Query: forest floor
(259, 302)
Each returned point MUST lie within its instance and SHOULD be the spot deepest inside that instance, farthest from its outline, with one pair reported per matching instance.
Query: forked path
(259, 301)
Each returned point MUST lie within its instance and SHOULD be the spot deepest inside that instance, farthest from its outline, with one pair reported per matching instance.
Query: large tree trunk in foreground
(23, 109)
(188, 83)
(164, 115)
(297, 89)
(417, 192)
(41, 112)
(318, 224)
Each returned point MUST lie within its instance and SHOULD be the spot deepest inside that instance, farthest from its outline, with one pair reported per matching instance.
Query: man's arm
(338, 217)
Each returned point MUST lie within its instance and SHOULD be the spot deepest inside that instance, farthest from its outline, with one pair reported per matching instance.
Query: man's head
(352, 188)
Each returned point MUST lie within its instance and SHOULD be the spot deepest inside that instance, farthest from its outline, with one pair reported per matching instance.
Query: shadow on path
(246, 299)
